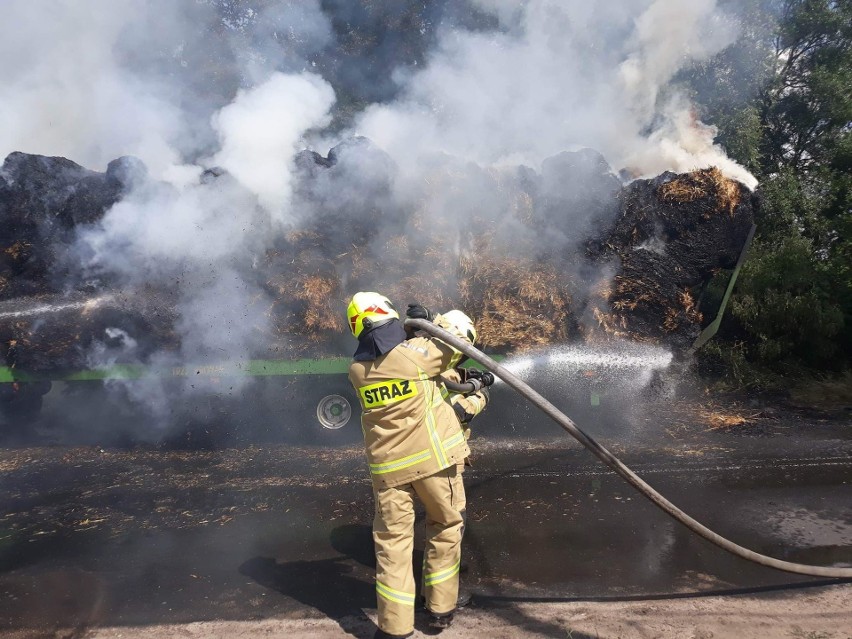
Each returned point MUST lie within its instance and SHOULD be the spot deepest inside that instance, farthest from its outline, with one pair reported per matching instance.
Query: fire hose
(617, 465)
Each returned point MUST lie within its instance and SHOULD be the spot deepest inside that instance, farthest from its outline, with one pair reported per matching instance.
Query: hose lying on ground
(613, 462)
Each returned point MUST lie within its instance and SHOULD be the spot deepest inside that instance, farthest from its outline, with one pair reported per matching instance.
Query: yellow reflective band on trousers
(442, 575)
(387, 392)
(396, 596)
(399, 464)
(434, 439)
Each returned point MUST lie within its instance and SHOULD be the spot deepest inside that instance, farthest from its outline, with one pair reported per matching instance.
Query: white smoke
(63, 91)
(562, 75)
(203, 234)
(261, 130)
(93, 81)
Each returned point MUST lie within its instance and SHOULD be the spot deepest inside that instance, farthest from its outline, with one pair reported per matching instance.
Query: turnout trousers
(442, 495)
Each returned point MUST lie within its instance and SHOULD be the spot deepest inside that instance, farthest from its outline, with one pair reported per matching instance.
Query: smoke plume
(558, 76)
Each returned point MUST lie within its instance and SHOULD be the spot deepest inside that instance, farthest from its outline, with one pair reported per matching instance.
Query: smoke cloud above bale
(559, 76)
(260, 130)
(93, 83)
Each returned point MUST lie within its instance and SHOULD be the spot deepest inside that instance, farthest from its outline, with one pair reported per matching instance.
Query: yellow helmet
(460, 325)
(368, 310)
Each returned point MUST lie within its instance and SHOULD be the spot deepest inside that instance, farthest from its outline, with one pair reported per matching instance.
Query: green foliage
(781, 101)
(742, 135)
(806, 107)
(786, 306)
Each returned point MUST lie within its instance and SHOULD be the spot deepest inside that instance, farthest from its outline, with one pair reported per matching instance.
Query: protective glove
(418, 311)
(486, 377)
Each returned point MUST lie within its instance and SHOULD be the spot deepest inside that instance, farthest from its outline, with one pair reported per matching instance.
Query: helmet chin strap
(370, 325)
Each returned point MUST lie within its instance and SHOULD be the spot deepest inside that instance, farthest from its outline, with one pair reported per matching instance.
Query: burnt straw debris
(568, 253)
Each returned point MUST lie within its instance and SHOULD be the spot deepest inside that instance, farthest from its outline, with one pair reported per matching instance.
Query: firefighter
(466, 405)
(414, 447)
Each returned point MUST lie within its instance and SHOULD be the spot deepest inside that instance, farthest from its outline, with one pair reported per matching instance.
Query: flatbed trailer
(303, 401)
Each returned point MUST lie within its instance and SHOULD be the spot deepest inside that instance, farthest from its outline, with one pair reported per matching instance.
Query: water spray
(617, 465)
(36, 306)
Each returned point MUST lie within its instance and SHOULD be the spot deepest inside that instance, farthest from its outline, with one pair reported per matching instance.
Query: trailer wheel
(333, 412)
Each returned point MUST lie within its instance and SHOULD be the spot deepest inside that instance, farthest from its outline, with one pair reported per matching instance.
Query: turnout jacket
(466, 406)
(410, 428)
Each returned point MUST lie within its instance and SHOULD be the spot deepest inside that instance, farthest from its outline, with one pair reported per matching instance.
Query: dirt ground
(817, 613)
(89, 532)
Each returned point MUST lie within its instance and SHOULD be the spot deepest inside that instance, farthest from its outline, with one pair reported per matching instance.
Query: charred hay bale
(700, 219)
(85, 334)
(673, 233)
(42, 199)
(642, 304)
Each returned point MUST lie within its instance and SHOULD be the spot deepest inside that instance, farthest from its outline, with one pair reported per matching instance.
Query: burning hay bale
(42, 201)
(516, 304)
(544, 258)
(672, 234)
(709, 186)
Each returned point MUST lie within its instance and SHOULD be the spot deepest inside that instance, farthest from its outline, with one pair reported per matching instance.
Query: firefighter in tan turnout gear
(415, 446)
(466, 405)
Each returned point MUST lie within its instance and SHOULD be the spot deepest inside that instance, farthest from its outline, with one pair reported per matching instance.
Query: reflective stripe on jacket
(410, 428)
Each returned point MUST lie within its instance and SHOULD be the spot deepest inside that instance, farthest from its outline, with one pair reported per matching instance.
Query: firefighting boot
(440, 622)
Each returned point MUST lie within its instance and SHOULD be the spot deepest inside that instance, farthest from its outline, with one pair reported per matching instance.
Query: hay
(307, 305)
(17, 249)
(321, 312)
(515, 302)
(434, 292)
(704, 183)
(717, 420)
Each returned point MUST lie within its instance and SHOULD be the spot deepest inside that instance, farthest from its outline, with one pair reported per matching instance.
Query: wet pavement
(93, 536)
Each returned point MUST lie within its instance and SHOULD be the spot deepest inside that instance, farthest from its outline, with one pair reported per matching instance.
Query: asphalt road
(93, 536)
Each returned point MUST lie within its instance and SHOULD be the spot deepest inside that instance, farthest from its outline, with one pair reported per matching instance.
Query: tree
(805, 108)
(793, 306)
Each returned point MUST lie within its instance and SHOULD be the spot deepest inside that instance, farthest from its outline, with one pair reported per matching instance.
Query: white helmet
(460, 325)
